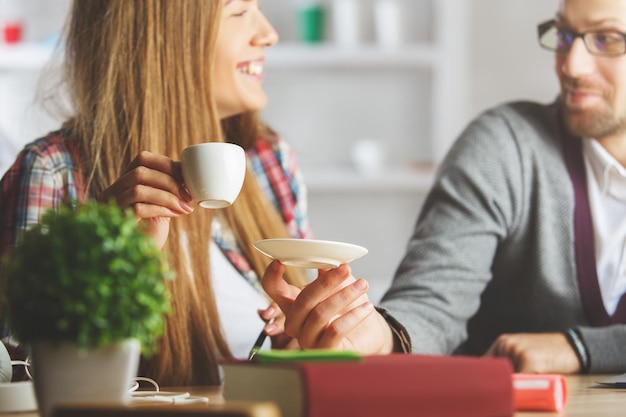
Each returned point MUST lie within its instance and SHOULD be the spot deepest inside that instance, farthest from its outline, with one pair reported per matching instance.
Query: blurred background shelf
(33, 56)
(299, 56)
(388, 181)
(25, 56)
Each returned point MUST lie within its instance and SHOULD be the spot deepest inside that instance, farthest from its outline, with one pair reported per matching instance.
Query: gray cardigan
(492, 251)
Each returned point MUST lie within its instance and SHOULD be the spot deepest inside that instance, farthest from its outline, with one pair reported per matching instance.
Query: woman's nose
(266, 34)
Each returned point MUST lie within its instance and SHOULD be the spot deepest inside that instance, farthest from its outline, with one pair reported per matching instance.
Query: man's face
(593, 88)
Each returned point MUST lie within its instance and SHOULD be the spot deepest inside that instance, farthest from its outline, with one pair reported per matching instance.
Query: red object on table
(12, 32)
(539, 392)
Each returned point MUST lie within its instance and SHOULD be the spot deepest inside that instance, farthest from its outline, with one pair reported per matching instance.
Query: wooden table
(585, 398)
(216, 407)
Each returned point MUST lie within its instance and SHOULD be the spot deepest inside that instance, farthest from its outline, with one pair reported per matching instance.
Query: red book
(378, 386)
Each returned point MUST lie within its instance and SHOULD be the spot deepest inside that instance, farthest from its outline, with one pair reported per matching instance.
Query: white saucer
(309, 253)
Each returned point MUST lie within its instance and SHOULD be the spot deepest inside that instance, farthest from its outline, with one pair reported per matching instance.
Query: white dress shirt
(606, 183)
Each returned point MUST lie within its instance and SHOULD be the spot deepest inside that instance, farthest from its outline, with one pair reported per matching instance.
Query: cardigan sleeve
(605, 347)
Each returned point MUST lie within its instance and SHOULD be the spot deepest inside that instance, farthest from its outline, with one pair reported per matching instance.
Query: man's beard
(591, 122)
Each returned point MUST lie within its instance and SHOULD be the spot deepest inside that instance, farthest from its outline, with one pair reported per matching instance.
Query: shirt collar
(609, 174)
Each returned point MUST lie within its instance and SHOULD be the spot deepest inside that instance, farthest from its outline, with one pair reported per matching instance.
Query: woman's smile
(252, 67)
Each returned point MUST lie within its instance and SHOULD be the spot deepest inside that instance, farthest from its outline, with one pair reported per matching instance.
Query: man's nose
(578, 60)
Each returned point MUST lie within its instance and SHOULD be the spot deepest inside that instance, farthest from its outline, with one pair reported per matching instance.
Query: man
(520, 248)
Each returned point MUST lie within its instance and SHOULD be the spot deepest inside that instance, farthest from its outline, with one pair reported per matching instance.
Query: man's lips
(581, 95)
(579, 89)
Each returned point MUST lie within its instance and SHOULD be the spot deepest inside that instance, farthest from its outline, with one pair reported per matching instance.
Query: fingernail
(271, 328)
(185, 206)
(275, 265)
(184, 194)
(343, 271)
(361, 285)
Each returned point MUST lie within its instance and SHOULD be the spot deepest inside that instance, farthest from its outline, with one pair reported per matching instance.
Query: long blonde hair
(139, 78)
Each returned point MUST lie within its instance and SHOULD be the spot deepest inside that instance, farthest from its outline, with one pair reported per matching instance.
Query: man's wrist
(576, 342)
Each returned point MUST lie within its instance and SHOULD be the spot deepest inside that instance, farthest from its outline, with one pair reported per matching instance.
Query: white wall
(505, 60)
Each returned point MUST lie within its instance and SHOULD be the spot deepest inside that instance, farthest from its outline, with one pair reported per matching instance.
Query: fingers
(274, 327)
(322, 313)
(335, 334)
(152, 186)
(277, 288)
(314, 313)
(271, 312)
(158, 163)
(506, 345)
(326, 284)
(274, 319)
(538, 352)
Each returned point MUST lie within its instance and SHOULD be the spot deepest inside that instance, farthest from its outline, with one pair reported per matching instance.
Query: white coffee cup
(213, 173)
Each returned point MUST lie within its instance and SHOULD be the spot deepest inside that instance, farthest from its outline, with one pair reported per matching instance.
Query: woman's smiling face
(239, 59)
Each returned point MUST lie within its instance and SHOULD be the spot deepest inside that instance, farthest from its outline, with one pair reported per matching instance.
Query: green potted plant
(85, 290)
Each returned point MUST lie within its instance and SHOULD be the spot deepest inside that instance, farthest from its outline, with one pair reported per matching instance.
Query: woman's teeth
(251, 68)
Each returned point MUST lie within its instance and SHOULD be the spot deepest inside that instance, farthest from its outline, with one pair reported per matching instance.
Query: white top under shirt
(237, 302)
(606, 182)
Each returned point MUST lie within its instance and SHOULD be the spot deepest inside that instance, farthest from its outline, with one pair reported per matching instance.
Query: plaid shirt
(47, 172)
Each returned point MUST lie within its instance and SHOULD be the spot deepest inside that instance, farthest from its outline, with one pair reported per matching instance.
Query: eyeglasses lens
(606, 43)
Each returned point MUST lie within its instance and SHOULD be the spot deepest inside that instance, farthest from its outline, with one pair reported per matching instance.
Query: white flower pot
(65, 374)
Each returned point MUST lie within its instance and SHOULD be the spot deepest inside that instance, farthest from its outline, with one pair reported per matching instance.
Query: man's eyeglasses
(598, 42)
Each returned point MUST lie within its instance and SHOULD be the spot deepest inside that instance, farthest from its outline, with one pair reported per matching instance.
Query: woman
(147, 78)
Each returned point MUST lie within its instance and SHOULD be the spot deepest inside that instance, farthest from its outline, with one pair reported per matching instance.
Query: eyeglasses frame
(543, 27)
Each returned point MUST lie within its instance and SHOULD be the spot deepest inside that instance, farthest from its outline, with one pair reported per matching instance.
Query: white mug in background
(345, 14)
(368, 157)
(387, 20)
(213, 173)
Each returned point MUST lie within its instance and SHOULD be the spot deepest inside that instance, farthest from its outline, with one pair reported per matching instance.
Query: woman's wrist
(396, 337)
